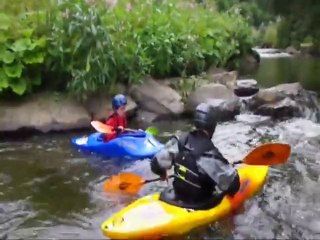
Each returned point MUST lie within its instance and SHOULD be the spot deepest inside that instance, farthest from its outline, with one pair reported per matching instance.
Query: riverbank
(155, 100)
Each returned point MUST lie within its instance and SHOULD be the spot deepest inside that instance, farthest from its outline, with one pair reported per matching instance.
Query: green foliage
(99, 46)
(270, 37)
(21, 55)
(187, 85)
(255, 11)
(84, 46)
(80, 47)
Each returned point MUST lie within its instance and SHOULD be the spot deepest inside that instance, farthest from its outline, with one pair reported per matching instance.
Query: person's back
(199, 167)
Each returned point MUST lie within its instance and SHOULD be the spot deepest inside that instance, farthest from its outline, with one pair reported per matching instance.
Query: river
(48, 190)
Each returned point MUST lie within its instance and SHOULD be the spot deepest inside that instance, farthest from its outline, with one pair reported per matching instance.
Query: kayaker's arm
(163, 160)
(221, 172)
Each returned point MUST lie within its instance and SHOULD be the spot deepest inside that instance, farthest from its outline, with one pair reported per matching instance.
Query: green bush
(21, 54)
(82, 46)
(270, 36)
(98, 46)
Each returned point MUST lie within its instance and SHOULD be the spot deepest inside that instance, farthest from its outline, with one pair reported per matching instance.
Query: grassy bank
(82, 46)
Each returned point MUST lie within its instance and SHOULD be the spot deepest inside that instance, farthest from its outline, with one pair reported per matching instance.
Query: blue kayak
(130, 145)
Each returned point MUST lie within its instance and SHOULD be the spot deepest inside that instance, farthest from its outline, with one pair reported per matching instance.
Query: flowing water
(277, 68)
(48, 189)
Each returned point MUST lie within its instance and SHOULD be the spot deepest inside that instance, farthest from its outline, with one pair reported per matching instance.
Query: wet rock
(292, 51)
(225, 109)
(153, 96)
(43, 112)
(99, 106)
(218, 96)
(286, 107)
(286, 100)
(246, 87)
(252, 58)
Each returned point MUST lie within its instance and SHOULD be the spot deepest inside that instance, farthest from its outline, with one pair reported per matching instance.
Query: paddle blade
(124, 182)
(152, 130)
(100, 127)
(268, 154)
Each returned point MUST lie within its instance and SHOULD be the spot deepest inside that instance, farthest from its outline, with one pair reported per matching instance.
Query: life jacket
(189, 183)
(115, 120)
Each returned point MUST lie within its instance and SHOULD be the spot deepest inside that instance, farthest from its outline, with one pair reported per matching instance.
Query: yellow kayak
(149, 217)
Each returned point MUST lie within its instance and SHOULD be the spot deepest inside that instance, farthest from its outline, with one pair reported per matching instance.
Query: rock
(292, 51)
(99, 106)
(246, 87)
(219, 96)
(171, 82)
(277, 93)
(146, 117)
(225, 78)
(225, 110)
(158, 98)
(286, 107)
(286, 100)
(43, 112)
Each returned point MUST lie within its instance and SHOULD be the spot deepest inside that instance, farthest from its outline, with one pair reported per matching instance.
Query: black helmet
(204, 118)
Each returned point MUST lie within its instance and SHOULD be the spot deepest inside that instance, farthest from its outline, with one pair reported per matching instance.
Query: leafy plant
(21, 55)
(89, 45)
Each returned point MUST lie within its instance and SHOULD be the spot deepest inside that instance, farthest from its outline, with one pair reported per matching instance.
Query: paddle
(103, 128)
(266, 154)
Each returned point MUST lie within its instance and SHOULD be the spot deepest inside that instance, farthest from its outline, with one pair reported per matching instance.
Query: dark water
(273, 71)
(48, 190)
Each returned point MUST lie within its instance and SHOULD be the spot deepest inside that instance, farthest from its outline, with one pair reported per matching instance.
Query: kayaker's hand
(164, 177)
(119, 129)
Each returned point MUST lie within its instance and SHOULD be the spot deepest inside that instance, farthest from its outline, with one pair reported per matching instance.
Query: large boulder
(156, 97)
(222, 99)
(146, 117)
(216, 75)
(286, 107)
(99, 106)
(43, 112)
(286, 100)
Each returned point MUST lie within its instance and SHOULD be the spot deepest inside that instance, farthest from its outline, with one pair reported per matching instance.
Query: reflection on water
(273, 71)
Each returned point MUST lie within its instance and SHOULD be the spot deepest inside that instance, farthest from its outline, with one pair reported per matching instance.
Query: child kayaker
(199, 167)
(117, 118)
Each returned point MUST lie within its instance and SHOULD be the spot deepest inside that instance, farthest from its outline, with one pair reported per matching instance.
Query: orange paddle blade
(127, 182)
(268, 154)
(100, 127)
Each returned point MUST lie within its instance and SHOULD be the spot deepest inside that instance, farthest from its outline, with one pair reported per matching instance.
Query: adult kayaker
(202, 175)
(117, 118)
